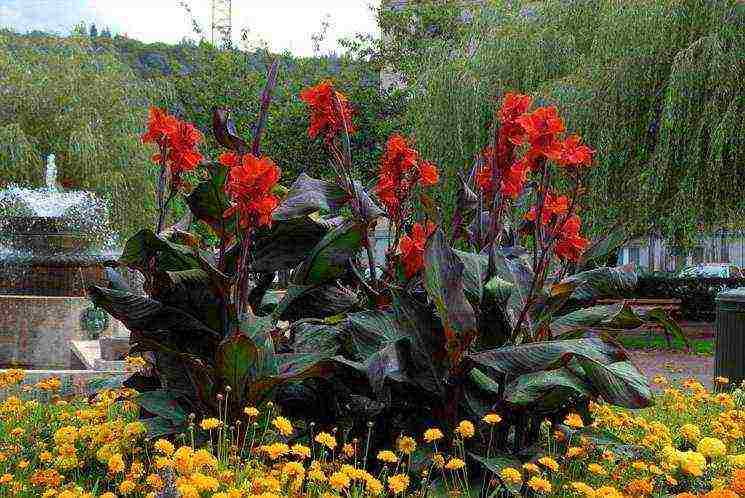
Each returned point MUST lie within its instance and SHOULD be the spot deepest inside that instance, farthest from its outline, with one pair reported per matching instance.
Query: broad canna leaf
(156, 326)
(225, 133)
(308, 195)
(548, 391)
(603, 282)
(612, 316)
(238, 362)
(619, 383)
(444, 281)
(495, 463)
(208, 202)
(538, 356)
(287, 243)
(145, 246)
(165, 404)
(328, 259)
(315, 301)
(475, 268)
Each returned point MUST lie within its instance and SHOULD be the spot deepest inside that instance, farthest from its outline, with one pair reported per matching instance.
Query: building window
(634, 255)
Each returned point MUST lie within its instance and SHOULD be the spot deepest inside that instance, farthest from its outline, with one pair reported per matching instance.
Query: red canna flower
(573, 154)
(327, 117)
(412, 247)
(542, 126)
(400, 171)
(570, 244)
(552, 206)
(176, 139)
(514, 106)
(249, 187)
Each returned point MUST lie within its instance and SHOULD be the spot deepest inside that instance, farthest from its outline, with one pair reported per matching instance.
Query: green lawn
(657, 341)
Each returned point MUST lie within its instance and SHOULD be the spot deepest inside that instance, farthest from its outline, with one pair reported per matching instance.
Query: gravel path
(675, 366)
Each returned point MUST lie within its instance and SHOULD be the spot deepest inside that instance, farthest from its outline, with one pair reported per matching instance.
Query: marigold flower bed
(691, 443)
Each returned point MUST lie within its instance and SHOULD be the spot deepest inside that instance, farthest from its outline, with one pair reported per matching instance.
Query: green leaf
(603, 282)
(619, 383)
(315, 301)
(660, 316)
(329, 258)
(287, 243)
(537, 356)
(443, 279)
(548, 391)
(612, 316)
(475, 267)
(308, 195)
(165, 404)
(498, 289)
(498, 462)
(142, 247)
(208, 202)
(237, 362)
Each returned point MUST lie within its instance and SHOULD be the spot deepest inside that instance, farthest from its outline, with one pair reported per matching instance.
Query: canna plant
(459, 320)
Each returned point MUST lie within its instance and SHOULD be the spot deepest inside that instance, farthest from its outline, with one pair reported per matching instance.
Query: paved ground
(675, 365)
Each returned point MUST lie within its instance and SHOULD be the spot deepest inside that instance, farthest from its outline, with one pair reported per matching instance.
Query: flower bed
(691, 443)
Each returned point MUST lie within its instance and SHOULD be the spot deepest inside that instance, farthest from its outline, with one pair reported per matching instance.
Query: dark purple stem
(266, 100)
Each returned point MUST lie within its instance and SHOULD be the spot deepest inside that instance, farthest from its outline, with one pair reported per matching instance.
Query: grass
(704, 347)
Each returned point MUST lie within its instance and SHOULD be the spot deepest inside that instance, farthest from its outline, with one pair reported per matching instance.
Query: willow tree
(654, 85)
(65, 97)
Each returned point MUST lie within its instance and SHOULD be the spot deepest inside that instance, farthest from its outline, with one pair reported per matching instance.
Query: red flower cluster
(249, 187)
(329, 110)
(553, 206)
(400, 170)
(570, 244)
(176, 139)
(412, 247)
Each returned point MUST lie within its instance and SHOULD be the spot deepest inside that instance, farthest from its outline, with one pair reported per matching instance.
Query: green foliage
(654, 86)
(62, 97)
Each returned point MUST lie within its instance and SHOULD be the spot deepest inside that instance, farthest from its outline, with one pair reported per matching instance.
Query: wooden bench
(671, 306)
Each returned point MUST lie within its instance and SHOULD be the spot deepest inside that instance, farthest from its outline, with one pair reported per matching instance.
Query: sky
(282, 24)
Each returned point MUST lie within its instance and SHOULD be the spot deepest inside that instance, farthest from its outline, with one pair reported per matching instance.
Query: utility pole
(222, 24)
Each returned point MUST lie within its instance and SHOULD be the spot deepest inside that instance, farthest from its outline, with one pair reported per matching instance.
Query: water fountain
(53, 244)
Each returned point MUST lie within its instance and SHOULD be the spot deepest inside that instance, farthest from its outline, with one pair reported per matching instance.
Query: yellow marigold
(574, 451)
(5, 478)
(531, 468)
(640, 466)
(608, 492)
(134, 429)
(316, 475)
(398, 483)
(374, 486)
(326, 440)
(692, 462)
(721, 493)
(116, 464)
(574, 421)
(154, 481)
(711, 447)
(127, 487)
(549, 463)
(339, 481)
(492, 418)
(639, 487)
(406, 445)
(187, 490)
(210, 423)
(204, 459)
(387, 456)
(432, 435)
(465, 429)
(300, 450)
(251, 411)
(204, 482)
(582, 488)
(539, 485)
(511, 476)
(282, 425)
(164, 447)
(455, 464)
(276, 450)
(721, 380)
(738, 481)
(349, 451)
(596, 469)
(438, 460)
(108, 494)
(737, 461)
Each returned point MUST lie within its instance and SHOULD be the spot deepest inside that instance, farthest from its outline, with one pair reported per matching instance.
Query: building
(655, 254)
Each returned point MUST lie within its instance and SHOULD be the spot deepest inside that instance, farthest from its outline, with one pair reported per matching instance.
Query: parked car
(711, 270)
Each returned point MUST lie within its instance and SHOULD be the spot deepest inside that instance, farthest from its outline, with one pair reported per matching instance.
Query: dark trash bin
(730, 340)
